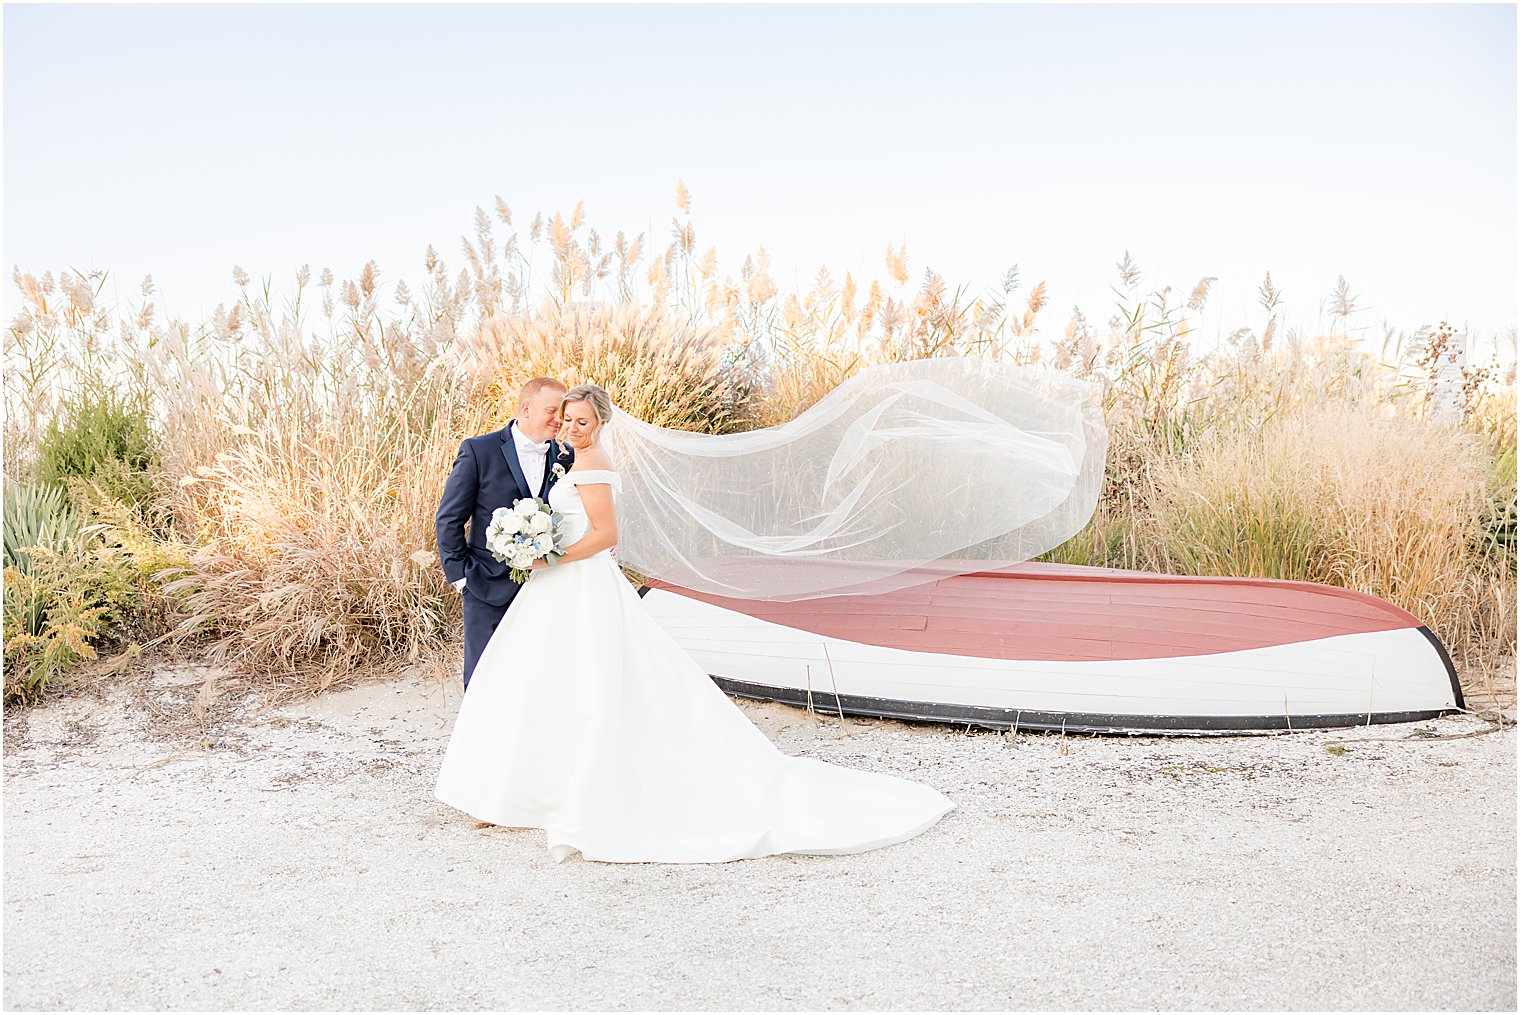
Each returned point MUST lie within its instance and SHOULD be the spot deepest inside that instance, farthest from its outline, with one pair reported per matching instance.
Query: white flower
(558, 470)
(525, 507)
(540, 522)
(523, 556)
(500, 514)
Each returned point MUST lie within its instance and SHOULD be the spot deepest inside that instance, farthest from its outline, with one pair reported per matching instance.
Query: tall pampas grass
(662, 371)
(316, 554)
(307, 472)
(1391, 507)
(305, 442)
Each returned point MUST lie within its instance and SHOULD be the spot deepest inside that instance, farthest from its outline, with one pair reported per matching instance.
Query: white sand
(301, 861)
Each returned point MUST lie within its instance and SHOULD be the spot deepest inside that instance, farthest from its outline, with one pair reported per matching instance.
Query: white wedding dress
(585, 719)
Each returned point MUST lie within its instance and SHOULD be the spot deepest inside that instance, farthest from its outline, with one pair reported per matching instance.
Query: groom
(492, 471)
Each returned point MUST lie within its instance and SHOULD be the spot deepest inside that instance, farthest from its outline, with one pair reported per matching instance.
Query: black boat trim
(1451, 670)
(989, 717)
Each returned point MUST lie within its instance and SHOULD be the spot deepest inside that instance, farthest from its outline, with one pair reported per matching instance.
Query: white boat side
(1391, 675)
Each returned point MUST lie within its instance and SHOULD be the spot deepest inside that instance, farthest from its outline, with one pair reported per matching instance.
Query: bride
(584, 718)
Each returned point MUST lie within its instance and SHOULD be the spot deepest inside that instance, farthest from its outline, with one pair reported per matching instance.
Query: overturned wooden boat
(1085, 649)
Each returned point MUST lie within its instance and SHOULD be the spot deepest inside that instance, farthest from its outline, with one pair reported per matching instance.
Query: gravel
(294, 858)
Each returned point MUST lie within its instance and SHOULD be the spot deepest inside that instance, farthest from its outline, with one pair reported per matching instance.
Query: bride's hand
(538, 565)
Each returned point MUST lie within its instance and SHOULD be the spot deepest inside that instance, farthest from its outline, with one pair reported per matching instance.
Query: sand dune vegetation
(261, 485)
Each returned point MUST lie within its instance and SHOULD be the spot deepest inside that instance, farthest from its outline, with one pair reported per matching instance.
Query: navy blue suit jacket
(486, 475)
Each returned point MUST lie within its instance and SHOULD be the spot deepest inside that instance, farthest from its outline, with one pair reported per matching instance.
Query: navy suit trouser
(480, 621)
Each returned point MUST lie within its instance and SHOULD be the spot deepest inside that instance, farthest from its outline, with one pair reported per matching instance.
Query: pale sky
(1377, 142)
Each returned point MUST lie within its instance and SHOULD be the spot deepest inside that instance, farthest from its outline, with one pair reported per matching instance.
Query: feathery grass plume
(1268, 296)
(559, 233)
(369, 278)
(1032, 309)
(1342, 302)
(1200, 293)
(1129, 271)
(709, 266)
(760, 288)
(685, 236)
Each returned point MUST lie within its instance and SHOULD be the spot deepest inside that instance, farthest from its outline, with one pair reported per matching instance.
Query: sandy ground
(295, 859)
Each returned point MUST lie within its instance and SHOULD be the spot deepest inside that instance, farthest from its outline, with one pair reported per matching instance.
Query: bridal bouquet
(529, 530)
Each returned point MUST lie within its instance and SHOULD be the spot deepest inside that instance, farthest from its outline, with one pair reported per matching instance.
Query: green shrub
(105, 438)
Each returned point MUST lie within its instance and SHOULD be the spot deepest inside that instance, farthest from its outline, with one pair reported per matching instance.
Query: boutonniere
(558, 471)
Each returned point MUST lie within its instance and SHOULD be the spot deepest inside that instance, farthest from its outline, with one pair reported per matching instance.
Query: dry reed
(306, 444)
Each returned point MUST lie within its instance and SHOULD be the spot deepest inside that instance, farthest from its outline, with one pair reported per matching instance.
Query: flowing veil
(905, 472)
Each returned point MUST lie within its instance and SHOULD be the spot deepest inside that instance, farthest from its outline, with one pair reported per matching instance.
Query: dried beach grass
(306, 444)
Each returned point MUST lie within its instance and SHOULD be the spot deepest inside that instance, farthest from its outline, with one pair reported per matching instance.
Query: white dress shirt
(532, 457)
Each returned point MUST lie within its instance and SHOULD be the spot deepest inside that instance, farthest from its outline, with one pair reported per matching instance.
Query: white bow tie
(526, 444)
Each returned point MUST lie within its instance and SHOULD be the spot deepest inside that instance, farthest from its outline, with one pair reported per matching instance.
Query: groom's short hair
(536, 385)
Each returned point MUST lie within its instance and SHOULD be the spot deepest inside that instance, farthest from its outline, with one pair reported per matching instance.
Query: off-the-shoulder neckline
(587, 472)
